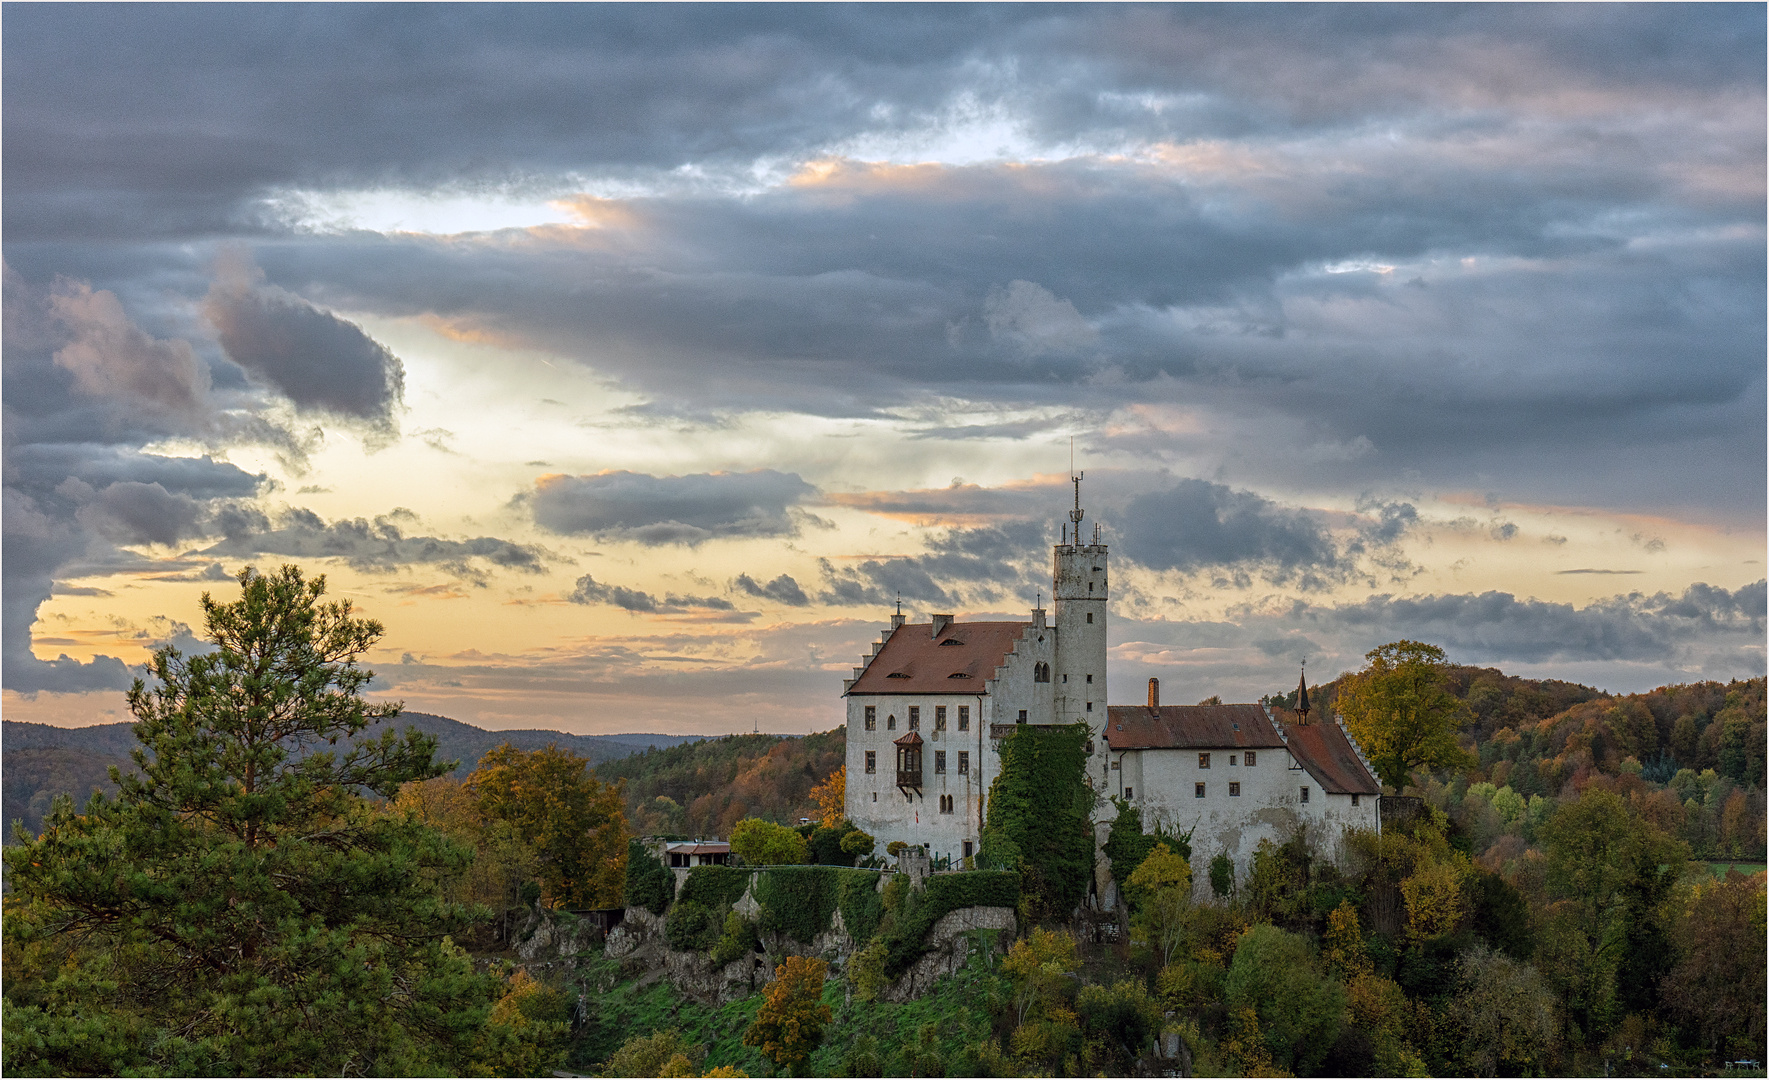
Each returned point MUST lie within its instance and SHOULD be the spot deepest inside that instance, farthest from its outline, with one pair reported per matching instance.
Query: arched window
(1040, 672)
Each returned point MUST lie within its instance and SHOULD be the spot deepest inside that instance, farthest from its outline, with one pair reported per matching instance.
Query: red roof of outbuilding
(958, 661)
(1184, 727)
(1326, 753)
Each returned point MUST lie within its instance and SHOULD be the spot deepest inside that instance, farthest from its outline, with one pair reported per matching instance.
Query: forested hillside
(42, 762)
(706, 788)
(1691, 757)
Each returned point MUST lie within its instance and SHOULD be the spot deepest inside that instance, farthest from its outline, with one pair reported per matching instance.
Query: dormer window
(958, 675)
(950, 641)
(898, 675)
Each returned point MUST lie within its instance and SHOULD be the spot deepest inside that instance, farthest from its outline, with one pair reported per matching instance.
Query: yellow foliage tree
(1162, 891)
(831, 797)
(1401, 713)
(575, 823)
(790, 1022)
(1344, 951)
(1434, 898)
(1040, 965)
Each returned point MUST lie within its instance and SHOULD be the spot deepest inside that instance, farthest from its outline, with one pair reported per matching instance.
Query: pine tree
(240, 906)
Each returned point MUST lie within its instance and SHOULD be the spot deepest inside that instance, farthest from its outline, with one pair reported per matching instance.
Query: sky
(629, 363)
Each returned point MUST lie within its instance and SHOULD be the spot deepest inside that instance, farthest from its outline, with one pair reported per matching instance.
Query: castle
(926, 711)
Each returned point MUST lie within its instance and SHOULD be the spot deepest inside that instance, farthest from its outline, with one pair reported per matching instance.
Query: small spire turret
(1302, 694)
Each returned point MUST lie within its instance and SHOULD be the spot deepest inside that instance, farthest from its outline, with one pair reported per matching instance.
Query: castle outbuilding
(1233, 775)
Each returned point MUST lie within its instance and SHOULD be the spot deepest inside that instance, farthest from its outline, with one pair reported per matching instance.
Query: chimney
(1154, 693)
(941, 622)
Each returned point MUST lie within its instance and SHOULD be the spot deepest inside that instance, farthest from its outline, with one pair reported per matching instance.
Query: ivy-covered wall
(915, 913)
(1040, 816)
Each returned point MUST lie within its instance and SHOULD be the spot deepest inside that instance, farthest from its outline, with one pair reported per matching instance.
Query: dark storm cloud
(379, 545)
(1569, 199)
(223, 104)
(782, 590)
(590, 591)
(1197, 524)
(318, 361)
(961, 566)
(1497, 626)
(656, 510)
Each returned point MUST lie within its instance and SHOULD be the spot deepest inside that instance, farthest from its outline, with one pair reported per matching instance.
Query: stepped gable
(1329, 757)
(1184, 727)
(916, 661)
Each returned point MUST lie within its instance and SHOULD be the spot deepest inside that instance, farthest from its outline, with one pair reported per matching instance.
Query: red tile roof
(1184, 727)
(1326, 753)
(958, 661)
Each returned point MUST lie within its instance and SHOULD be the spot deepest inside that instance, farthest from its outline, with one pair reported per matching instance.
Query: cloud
(1196, 525)
(590, 591)
(378, 545)
(1496, 626)
(961, 566)
(958, 504)
(129, 512)
(110, 357)
(782, 590)
(318, 361)
(1036, 320)
(657, 510)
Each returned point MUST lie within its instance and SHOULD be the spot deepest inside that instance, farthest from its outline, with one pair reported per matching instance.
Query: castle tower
(1078, 590)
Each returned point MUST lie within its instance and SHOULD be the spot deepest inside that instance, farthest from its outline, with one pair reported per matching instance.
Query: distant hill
(42, 762)
(706, 788)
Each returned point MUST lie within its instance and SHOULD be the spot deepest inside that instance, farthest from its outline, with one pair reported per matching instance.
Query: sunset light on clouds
(630, 362)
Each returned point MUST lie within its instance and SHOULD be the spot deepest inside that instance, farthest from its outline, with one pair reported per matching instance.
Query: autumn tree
(831, 797)
(238, 907)
(575, 823)
(790, 1022)
(1401, 711)
(1161, 889)
(503, 860)
(1505, 1014)
(1717, 988)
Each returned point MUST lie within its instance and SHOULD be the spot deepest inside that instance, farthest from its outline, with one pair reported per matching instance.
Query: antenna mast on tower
(1076, 514)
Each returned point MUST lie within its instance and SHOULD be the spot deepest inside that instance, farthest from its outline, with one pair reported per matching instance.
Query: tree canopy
(575, 823)
(238, 906)
(1401, 711)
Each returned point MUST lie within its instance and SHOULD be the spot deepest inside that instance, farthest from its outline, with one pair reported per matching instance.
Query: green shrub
(798, 901)
(906, 936)
(857, 896)
(692, 926)
(856, 843)
(763, 843)
(1127, 845)
(829, 844)
(650, 884)
(738, 940)
(715, 886)
(1222, 874)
